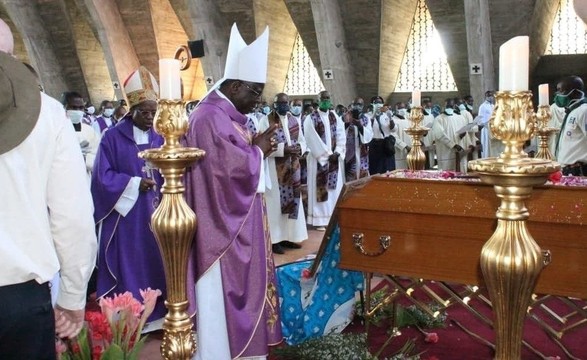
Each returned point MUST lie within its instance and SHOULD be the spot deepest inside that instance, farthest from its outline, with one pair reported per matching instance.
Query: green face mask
(562, 100)
(325, 105)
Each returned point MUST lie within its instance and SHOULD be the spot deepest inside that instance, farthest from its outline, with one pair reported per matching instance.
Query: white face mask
(91, 110)
(462, 107)
(377, 107)
(402, 112)
(449, 111)
(75, 116)
(108, 112)
(296, 110)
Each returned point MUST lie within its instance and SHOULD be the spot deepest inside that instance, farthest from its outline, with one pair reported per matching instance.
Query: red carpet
(455, 343)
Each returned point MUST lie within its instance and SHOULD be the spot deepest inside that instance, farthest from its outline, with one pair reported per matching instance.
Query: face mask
(563, 100)
(108, 112)
(282, 109)
(91, 110)
(358, 107)
(296, 110)
(75, 116)
(469, 107)
(377, 107)
(449, 111)
(402, 112)
(462, 107)
(266, 110)
(325, 105)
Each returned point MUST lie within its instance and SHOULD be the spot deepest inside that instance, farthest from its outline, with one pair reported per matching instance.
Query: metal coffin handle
(384, 242)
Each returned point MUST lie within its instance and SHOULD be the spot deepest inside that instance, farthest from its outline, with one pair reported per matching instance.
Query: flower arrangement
(114, 332)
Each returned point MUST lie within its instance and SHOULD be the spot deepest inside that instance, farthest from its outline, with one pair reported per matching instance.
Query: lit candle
(169, 79)
(543, 94)
(513, 64)
(416, 96)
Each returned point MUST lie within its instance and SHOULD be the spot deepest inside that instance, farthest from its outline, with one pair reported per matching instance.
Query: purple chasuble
(232, 226)
(128, 257)
(102, 124)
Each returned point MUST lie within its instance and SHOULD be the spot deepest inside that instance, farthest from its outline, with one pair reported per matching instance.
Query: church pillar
(334, 56)
(27, 19)
(282, 35)
(119, 51)
(210, 25)
(479, 49)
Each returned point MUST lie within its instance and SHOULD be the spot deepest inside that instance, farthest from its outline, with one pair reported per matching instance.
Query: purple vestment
(232, 226)
(128, 257)
(102, 124)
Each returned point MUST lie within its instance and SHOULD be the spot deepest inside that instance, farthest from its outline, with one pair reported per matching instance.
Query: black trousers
(380, 163)
(27, 322)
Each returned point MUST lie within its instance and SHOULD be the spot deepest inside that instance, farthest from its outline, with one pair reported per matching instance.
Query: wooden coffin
(438, 227)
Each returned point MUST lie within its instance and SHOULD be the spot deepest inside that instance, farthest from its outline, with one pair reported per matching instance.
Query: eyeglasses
(147, 112)
(255, 92)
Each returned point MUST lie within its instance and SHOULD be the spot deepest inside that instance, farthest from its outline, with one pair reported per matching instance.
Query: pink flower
(431, 338)
(60, 347)
(149, 300)
(306, 274)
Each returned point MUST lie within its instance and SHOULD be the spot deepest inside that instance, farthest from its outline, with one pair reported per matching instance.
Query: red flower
(555, 177)
(306, 274)
(75, 348)
(431, 338)
(96, 352)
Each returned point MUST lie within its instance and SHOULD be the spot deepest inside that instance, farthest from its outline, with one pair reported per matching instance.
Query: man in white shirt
(45, 229)
(571, 147)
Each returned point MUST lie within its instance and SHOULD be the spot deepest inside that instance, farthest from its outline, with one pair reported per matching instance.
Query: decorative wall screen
(302, 76)
(424, 66)
(569, 33)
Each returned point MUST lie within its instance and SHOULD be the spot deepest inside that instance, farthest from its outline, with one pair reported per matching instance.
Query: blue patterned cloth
(320, 305)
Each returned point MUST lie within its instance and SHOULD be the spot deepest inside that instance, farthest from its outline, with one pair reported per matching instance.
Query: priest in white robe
(285, 211)
(403, 141)
(326, 140)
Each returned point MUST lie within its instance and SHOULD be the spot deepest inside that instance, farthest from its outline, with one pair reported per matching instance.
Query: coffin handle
(546, 257)
(384, 242)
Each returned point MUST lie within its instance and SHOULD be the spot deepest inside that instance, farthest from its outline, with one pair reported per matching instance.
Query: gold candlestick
(416, 158)
(544, 132)
(174, 225)
(511, 260)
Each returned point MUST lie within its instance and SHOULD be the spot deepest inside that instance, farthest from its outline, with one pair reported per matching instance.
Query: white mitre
(245, 62)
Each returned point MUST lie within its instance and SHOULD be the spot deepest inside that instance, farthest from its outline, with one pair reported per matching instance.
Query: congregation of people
(280, 162)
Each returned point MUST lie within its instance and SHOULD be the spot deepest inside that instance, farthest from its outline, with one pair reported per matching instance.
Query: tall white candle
(416, 96)
(543, 94)
(169, 79)
(513, 64)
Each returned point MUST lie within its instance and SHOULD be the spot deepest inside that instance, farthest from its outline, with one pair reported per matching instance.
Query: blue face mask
(266, 110)
(296, 110)
(449, 111)
(462, 107)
